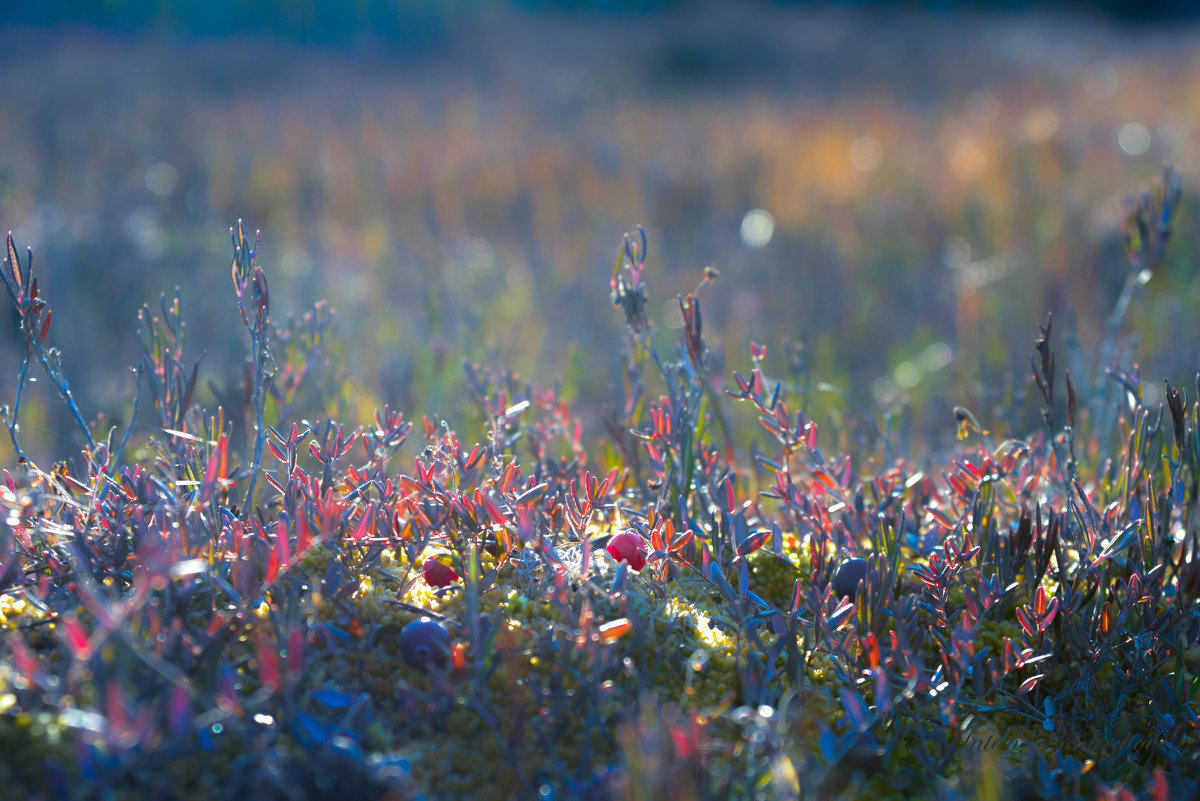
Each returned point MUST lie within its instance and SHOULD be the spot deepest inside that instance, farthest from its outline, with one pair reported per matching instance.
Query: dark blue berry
(425, 643)
(845, 582)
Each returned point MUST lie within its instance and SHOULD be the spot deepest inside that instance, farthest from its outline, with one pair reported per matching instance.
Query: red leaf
(366, 524)
(872, 649)
(494, 512)
(682, 540)
(77, 639)
(23, 659)
(272, 567)
(841, 615)
(614, 630)
(1030, 683)
(179, 712)
(824, 478)
(303, 534)
(972, 605)
(656, 538)
(506, 479)
(474, 457)
(753, 542)
(942, 519)
(1023, 619)
(608, 482)
(1048, 618)
(283, 543)
(1160, 790)
(117, 708)
(276, 452)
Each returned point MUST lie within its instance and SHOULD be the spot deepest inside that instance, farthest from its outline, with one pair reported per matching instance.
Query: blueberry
(845, 582)
(425, 643)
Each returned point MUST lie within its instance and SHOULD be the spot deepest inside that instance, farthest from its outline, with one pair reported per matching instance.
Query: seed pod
(425, 643)
(845, 582)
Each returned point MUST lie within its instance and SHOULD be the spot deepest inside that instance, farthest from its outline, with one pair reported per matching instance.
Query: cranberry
(628, 547)
(437, 574)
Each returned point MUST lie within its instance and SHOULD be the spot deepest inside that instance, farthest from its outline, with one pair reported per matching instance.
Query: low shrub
(310, 614)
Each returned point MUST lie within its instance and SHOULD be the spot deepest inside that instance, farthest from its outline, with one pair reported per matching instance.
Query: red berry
(628, 547)
(437, 574)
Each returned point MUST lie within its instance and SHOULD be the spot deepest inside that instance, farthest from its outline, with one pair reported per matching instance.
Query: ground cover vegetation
(307, 609)
(629, 551)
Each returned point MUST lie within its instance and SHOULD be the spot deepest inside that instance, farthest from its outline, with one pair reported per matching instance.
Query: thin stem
(258, 346)
(11, 423)
(64, 391)
(137, 398)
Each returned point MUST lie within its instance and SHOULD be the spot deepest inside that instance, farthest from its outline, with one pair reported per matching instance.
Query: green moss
(34, 745)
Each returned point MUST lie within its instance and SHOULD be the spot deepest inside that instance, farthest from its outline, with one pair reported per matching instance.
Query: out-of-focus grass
(936, 185)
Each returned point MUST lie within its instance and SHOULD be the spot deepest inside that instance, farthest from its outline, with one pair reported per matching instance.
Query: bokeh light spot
(1134, 138)
(967, 159)
(956, 251)
(161, 178)
(296, 263)
(866, 154)
(935, 357)
(146, 232)
(478, 255)
(907, 375)
(1040, 124)
(758, 226)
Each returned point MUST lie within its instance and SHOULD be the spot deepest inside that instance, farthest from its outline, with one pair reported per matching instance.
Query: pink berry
(437, 574)
(628, 547)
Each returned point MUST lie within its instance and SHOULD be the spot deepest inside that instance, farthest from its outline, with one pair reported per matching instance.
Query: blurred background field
(893, 197)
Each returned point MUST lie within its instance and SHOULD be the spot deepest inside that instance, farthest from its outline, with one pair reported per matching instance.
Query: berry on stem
(425, 642)
(628, 547)
(845, 583)
(437, 574)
